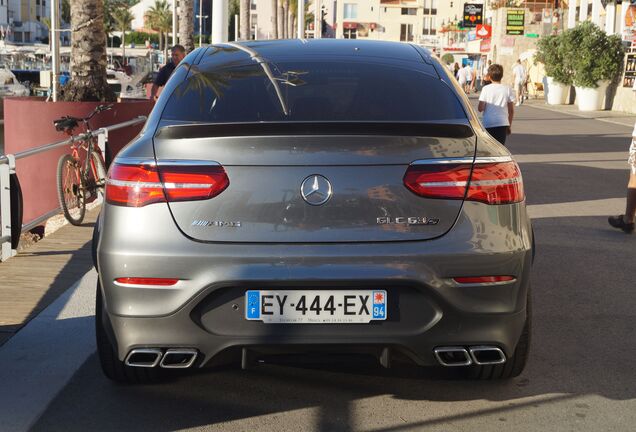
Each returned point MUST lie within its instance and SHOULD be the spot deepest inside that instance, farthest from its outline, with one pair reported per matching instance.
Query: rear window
(312, 91)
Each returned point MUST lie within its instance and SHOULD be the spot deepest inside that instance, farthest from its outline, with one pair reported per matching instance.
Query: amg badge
(220, 224)
(414, 220)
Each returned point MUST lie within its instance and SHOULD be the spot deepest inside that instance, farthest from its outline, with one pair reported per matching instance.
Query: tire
(94, 242)
(70, 190)
(98, 171)
(17, 207)
(115, 369)
(514, 365)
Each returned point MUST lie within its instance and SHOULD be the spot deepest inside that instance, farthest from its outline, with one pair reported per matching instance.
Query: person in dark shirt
(178, 54)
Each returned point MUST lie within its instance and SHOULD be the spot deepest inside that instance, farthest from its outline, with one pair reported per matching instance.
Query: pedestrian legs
(630, 209)
(499, 133)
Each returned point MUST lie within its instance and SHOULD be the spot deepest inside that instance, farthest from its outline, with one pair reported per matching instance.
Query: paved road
(581, 374)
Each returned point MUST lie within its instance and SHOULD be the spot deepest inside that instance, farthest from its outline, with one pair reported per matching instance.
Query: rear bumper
(426, 308)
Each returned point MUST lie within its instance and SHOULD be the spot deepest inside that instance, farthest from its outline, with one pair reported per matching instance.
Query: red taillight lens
(147, 281)
(133, 185)
(490, 183)
(483, 279)
(496, 183)
(438, 180)
(140, 185)
(189, 183)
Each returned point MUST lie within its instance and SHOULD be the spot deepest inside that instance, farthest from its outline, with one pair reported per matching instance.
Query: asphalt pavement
(580, 375)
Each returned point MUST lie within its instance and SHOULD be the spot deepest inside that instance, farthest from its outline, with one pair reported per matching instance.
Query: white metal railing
(7, 168)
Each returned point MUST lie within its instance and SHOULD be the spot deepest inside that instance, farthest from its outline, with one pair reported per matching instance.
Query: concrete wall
(506, 49)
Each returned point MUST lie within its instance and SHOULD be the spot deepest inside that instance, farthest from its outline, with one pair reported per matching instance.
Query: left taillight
(140, 185)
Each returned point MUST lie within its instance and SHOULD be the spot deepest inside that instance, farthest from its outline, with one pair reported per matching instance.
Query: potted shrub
(550, 52)
(595, 58)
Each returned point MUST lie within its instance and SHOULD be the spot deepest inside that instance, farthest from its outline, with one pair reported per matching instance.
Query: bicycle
(79, 179)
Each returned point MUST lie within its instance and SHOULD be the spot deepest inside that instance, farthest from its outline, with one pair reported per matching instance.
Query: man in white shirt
(520, 75)
(626, 221)
(496, 101)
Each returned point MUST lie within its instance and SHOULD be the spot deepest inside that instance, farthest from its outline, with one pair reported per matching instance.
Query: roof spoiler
(198, 130)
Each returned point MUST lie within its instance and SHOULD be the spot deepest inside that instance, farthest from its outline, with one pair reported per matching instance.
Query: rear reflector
(483, 279)
(490, 183)
(140, 185)
(146, 281)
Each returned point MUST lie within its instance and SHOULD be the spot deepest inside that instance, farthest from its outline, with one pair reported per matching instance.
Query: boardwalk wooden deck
(34, 278)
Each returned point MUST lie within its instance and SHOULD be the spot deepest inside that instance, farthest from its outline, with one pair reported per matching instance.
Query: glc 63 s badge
(413, 220)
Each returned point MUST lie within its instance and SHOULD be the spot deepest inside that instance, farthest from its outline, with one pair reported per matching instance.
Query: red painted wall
(28, 123)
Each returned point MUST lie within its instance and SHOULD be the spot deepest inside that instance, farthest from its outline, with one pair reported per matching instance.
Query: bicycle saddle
(65, 123)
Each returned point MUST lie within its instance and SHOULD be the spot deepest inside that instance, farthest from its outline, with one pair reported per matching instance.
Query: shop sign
(630, 71)
(485, 45)
(532, 35)
(473, 15)
(483, 31)
(515, 21)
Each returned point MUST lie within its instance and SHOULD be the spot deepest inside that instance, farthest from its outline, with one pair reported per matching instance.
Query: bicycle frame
(88, 145)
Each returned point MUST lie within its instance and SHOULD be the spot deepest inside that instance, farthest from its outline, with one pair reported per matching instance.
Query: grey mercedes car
(304, 196)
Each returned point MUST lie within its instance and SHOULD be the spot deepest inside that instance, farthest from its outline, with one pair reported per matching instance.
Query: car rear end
(315, 199)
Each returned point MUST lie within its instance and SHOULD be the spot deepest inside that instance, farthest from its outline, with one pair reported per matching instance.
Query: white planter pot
(557, 92)
(591, 99)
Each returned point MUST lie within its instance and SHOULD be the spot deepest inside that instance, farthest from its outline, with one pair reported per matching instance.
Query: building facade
(417, 21)
(21, 20)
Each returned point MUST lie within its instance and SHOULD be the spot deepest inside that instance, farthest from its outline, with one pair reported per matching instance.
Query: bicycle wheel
(70, 189)
(98, 173)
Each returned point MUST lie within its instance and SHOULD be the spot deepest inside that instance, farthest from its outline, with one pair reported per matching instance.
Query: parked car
(321, 195)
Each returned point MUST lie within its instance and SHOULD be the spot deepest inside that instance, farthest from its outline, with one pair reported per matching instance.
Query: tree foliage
(592, 54)
(550, 52)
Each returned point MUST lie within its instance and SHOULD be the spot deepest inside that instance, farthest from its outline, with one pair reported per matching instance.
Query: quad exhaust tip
(179, 358)
(173, 358)
(144, 357)
(453, 356)
(459, 356)
(487, 355)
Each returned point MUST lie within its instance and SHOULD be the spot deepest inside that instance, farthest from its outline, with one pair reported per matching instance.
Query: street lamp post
(55, 47)
(174, 22)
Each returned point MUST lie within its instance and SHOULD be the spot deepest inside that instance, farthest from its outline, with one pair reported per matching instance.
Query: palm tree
(274, 19)
(281, 19)
(159, 18)
(186, 24)
(88, 54)
(47, 22)
(245, 20)
(165, 24)
(286, 33)
(292, 12)
(123, 20)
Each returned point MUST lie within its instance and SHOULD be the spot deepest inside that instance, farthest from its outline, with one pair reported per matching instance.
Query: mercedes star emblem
(316, 190)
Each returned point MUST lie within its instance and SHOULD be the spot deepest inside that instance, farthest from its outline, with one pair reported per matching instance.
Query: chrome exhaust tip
(143, 357)
(179, 358)
(452, 356)
(487, 355)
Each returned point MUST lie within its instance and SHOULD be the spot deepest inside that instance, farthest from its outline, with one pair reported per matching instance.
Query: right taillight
(490, 183)
(140, 185)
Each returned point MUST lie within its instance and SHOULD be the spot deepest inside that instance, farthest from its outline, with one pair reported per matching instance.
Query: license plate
(315, 307)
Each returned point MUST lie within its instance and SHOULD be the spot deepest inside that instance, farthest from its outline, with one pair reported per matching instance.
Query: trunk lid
(271, 166)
